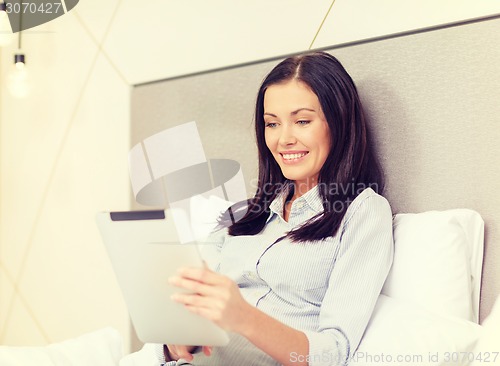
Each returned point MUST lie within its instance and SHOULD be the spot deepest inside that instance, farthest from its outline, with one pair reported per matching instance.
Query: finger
(194, 286)
(172, 351)
(207, 350)
(204, 275)
(182, 352)
(196, 300)
(172, 354)
(209, 313)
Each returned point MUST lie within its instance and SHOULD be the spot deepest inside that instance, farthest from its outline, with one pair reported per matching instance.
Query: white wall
(63, 150)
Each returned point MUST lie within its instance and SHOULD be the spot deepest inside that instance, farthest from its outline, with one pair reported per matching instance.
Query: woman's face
(296, 131)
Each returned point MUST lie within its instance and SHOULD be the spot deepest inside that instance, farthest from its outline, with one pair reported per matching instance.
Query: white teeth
(293, 156)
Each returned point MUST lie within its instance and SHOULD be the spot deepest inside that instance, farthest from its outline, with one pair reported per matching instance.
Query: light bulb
(18, 82)
(6, 35)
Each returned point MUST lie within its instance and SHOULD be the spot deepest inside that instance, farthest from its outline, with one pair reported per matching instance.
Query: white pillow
(399, 334)
(99, 348)
(487, 349)
(437, 261)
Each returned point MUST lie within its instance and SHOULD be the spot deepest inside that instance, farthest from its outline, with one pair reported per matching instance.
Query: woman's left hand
(213, 296)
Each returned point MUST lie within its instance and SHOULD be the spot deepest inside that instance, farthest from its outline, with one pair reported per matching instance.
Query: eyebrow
(293, 113)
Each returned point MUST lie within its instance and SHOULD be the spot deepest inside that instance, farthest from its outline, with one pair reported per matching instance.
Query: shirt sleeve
(160, 354)
(158, 348)
(362, 264)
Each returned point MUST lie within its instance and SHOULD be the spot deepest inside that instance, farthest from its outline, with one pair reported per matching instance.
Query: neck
(302, 187)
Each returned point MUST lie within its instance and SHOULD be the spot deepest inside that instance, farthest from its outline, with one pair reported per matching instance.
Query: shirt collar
(277, 205)
(311, 198)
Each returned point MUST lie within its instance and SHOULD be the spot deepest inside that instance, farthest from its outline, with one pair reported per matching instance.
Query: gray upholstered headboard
(433, 100)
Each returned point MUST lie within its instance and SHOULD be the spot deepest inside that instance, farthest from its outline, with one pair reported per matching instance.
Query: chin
(293, 177)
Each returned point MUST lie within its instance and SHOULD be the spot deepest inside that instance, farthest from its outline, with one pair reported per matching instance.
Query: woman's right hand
(175, 352)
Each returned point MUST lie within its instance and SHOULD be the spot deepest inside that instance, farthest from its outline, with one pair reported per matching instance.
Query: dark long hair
(350, 167)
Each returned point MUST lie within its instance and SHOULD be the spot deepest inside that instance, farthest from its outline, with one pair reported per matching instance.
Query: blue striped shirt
(326, 289)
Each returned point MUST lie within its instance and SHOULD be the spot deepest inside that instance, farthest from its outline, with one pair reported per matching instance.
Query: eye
(303, 122)
(271, 124)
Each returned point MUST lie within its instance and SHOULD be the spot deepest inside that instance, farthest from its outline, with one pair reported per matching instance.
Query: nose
(287, 137)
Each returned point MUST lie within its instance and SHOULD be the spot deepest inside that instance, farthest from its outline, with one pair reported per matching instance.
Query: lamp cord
(19, 38)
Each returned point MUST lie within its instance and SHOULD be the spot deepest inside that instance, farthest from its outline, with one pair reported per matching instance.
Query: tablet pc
(144, 251)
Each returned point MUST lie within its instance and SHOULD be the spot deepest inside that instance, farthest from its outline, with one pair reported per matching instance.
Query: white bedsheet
(100, 348)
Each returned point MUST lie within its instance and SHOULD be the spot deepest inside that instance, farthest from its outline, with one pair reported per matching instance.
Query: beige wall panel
(64, 158)
(33, 127)
(355, 20)
(171, 38)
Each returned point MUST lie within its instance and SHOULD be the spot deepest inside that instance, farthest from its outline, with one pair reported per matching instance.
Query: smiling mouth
(293, 157)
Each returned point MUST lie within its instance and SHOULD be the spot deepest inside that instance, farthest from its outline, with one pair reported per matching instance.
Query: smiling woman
(309, 104)
(296, 279)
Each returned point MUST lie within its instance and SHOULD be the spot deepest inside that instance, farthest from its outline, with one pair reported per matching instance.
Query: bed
(426, 314)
